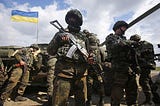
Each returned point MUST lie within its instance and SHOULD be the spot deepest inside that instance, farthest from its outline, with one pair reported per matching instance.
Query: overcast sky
(98, 15)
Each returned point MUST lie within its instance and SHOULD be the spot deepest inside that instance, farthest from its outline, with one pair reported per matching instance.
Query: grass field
(157, 68)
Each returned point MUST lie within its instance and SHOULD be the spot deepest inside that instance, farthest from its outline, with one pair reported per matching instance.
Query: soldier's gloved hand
(91, 59)
(1, 69)
(64, 38)
(138, 70)
(22, 62)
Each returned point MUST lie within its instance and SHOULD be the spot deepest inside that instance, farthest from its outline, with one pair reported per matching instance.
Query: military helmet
(118, 24)
(75, 14)
(135, 37)
(35, 46)
(86, 31)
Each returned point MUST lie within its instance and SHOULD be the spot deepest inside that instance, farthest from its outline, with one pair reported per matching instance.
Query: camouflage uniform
(36, 59)
(119, 54)
(3, 75)
(70, 73)
(50, 78)
(94, 79)
(147, 64)
(19, 76)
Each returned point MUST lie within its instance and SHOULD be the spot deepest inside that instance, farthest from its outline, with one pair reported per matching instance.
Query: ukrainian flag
(22, 16)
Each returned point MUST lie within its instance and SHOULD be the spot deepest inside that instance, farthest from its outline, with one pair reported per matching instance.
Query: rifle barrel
(150, 11)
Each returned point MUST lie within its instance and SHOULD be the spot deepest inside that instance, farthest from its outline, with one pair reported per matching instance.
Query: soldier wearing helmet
(145, 52)
(118, 49)
(74, 20)
(70, 73)
(19, 75)
(119, 24)
(94, 80)
(135, 37)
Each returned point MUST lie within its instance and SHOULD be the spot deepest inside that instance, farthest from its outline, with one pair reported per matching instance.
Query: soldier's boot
(156, 98)
(115, 103)
(101, 101)
(148, 100)
(1, 103)
(49, 102)
(20, 98)
(89, 103)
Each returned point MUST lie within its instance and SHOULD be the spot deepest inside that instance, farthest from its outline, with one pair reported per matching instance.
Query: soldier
(118, 52)
(2, 76)
(37, 58)
(146, 62)
(70, 72)
(94, 79)
(19, 75)
(50, 78)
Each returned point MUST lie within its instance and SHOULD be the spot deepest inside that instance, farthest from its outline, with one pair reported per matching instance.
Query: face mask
(74, 29)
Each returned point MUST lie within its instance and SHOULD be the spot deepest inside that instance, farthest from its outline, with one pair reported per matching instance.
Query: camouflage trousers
(124, 84)
(18, 78)
(50, 75)
(62, 88)
(95, 85)
(145, 83)
(3, 78)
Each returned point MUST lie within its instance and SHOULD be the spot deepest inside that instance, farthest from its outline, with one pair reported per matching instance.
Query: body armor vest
(77, 56)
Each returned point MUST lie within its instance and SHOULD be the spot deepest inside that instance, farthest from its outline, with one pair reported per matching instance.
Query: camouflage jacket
(25, 55)
(117, 48)
(146, 55)
(68, 67)
(1, 65)
(61, 48)
(94, 47)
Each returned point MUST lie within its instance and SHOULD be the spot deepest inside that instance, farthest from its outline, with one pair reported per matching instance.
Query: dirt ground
(37, 99)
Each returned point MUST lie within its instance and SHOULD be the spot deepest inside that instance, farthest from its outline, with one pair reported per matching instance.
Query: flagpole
(37, 33)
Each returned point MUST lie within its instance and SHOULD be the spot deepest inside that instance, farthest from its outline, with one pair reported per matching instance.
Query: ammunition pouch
(70, 54)
(62, 51)
(69, 60)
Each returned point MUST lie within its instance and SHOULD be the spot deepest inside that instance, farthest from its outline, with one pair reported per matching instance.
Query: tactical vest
(146, 54)
(64, 49)
(115, 51)
(27, 57)
(94, 47)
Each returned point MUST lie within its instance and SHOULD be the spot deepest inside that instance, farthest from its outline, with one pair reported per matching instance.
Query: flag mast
(37, 30)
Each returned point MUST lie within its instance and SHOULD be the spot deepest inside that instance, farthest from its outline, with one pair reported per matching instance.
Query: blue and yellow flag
(22, 16)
